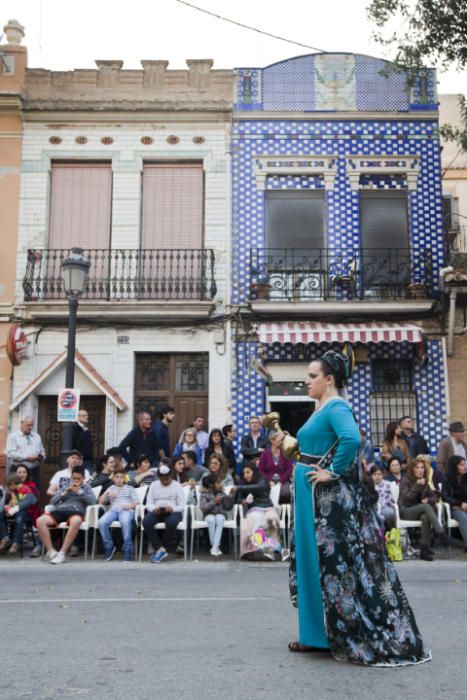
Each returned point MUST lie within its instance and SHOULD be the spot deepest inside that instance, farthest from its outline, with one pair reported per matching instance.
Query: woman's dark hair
(391, 430)
(222, 461)
(101, 462)
(394, 459)
(254, 469)
(215, 431)
(181, 477)
(28, 471)
(142, 458)
(452, 474)
(209, 481)
(338, 365)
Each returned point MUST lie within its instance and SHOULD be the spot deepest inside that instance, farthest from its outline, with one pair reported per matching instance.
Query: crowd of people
(203, 471)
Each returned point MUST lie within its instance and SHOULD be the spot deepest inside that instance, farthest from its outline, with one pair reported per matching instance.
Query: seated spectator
(188, 442)
(19, 499)
(217, 464)
(34, 512)
(102, 476)
(367, 452)
(395, 472)
(165, 504)
(454, 492)
(385, 505)
(143, 474)
(218, 445)
(260, 530)
(62, 478)
(254, 441)
(417, 502)
(434, 476)
(25, 475)
(194, 471)
(393, 445)
(275, 467)
(123, 500)
(215, 506)
(451, 445)
(69, 505)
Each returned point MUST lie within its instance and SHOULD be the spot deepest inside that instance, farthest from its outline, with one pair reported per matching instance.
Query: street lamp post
(75, 273)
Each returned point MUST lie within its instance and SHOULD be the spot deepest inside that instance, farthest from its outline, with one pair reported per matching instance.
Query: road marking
(226, 599)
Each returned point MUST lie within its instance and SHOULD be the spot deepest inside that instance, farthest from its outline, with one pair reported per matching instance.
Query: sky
(62, 35)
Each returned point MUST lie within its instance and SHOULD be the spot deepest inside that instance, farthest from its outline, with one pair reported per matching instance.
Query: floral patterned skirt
(368, 618)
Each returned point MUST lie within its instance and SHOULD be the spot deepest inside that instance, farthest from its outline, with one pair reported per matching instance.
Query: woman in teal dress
(348, 594)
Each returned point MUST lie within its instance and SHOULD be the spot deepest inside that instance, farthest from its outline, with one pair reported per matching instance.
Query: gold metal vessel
(289, 445)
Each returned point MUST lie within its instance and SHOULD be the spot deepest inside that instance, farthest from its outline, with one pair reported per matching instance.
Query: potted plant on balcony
(417, 290)
(260, 286)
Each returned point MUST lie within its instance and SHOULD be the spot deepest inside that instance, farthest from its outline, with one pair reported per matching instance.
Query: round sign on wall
(16, 345)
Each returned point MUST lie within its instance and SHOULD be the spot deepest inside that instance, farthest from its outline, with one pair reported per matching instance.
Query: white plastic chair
(182, 526)
(400, 523)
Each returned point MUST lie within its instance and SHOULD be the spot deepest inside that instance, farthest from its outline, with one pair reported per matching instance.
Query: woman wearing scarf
(349, 597)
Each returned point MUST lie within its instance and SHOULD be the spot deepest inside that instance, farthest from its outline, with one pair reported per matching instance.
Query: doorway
(294, 414)
(50, 431)
(179, 379)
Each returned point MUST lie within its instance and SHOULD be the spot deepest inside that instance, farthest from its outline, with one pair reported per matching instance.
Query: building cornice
(145, 116)
(336, 116)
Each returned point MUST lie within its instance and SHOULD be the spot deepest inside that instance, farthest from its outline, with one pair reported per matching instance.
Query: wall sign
(68, 405)
(16, 345)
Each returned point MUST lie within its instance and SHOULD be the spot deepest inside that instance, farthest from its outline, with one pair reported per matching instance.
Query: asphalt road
(209, 629)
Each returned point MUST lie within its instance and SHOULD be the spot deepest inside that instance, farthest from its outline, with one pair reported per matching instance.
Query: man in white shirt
(24, 446)
(165, 504)
(62, 478)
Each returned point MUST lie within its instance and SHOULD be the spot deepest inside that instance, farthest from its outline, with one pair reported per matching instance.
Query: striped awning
(309, 332)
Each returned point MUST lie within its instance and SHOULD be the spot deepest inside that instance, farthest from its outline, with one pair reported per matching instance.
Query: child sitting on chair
(123, 500)
(214, 504)
(19, 498)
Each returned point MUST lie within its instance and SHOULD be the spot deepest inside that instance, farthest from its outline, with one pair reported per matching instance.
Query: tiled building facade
(339, 126)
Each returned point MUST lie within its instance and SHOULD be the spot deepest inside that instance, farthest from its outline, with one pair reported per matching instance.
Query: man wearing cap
(451, 445)
(165, 504)
(62, 478)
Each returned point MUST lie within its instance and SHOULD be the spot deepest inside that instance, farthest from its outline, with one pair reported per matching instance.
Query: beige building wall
(12, 73)
(454, 164)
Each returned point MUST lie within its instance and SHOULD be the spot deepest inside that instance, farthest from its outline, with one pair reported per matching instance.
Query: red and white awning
(309, 332)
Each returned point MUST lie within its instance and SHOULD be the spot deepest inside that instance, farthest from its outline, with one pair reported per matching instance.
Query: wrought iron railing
(172, 274)
(321, 274)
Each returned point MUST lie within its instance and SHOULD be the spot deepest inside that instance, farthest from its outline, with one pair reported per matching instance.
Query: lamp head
(75, 272)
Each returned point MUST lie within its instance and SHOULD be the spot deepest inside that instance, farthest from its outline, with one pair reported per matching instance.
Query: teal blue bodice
(334, 421)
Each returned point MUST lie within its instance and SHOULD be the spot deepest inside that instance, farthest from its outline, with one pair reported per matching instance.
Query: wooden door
(179, 379)
(50, 431)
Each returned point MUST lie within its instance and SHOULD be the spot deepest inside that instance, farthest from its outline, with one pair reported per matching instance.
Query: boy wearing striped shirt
(123, 500)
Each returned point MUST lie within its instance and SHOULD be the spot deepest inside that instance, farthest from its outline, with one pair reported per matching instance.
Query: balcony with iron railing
(128, 278)
(320, 275)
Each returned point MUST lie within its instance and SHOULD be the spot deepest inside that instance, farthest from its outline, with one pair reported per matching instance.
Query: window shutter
(383, 220)
(172, 206)
(80, 205)
(295, 219)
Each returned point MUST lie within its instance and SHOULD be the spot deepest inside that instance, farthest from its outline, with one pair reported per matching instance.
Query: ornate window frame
(383, 165)
(295, 165)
